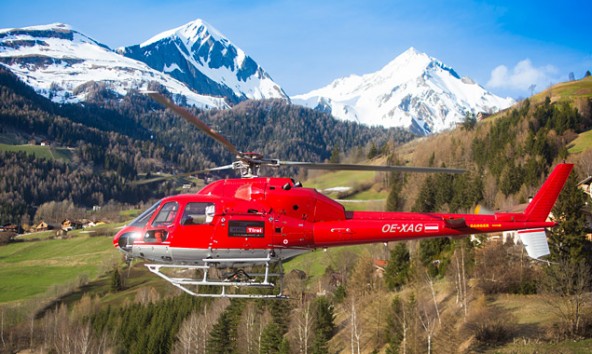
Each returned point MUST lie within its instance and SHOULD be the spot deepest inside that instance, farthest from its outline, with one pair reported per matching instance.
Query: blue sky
(506, 46)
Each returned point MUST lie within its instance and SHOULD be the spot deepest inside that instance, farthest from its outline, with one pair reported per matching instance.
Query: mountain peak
(412, 52)
(189, 33)
(413, 91)
(199, 55)
(409, 63)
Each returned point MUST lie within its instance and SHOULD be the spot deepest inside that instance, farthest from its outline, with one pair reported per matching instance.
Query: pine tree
(394, 200)
(470, 121)
(284, 347)
(373, 152)
(568, 239)
(278, 310)
(426, 201)
(397, 270)
(116, 280)
(335, 155)
(220, 339)
(271, 339)
(434, 254)
(324, 325)
(223, 337)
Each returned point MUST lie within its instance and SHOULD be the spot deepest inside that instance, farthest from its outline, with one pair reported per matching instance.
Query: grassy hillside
(570, 90)
(356, 190)
(582, 143)
(28, 269)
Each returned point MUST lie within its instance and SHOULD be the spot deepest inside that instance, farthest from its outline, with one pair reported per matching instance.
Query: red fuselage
(247, 218)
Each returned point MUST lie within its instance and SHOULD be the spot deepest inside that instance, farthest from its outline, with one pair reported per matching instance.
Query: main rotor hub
(247, 169)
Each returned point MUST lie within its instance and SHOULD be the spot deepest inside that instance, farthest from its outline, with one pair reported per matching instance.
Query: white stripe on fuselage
(166, 254)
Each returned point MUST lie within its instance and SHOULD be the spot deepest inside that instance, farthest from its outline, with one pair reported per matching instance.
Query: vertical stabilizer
(542, 203)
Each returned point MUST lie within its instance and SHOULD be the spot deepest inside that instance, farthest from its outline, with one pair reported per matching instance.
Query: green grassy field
(569, 90)
(28, 269)
(574, 89)
(136, 279)
(45, 152)
(582, 143)
(339, 179)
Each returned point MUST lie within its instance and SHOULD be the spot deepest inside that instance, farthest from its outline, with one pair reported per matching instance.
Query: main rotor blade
(191, 118)
(158, 179)
(351, 167)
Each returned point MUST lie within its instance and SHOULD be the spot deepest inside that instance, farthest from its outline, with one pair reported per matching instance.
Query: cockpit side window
(166, 215)
(198, 213)
(143, 218)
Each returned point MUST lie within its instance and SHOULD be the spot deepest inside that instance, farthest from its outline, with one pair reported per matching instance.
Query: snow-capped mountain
(65, 65)
(413, 91)
(204, 59)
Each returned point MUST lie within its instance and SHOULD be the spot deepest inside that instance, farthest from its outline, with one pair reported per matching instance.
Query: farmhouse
(41, 226)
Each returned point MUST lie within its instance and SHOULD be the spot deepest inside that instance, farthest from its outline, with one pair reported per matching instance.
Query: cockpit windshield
(198, 213)
(143, 218)
(166, 215)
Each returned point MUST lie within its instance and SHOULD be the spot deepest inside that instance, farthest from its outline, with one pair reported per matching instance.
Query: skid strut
(237, 279)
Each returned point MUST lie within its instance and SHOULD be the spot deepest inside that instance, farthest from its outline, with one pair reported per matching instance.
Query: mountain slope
(67, 66)
(414, 91)
(204, 59)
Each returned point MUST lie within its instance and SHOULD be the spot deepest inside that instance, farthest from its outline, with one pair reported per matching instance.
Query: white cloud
(522, 76)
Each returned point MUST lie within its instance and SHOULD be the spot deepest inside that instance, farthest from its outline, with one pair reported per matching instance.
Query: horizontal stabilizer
(535, 242)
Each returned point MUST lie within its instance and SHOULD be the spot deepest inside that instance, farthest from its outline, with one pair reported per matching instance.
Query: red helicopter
(237, 223)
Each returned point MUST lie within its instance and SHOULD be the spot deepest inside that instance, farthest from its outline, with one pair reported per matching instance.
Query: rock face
(204, 59)
(414, 91)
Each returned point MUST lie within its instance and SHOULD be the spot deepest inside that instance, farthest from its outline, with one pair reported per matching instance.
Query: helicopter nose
(125, 241)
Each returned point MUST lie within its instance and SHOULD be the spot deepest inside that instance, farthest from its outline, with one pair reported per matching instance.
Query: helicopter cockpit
(154, 224)
(133, 231)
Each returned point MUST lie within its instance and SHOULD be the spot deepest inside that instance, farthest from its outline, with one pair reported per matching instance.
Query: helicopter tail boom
(369, 227)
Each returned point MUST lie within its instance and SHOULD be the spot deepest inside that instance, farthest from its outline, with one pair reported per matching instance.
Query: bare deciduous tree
(304, 326)
(355, 328)
(567, 291)
(194, 332)
(458, 275)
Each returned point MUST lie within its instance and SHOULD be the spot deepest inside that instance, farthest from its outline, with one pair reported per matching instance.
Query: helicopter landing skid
(237, 279)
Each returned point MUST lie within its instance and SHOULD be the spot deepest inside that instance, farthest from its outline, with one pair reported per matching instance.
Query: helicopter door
(195, 232)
